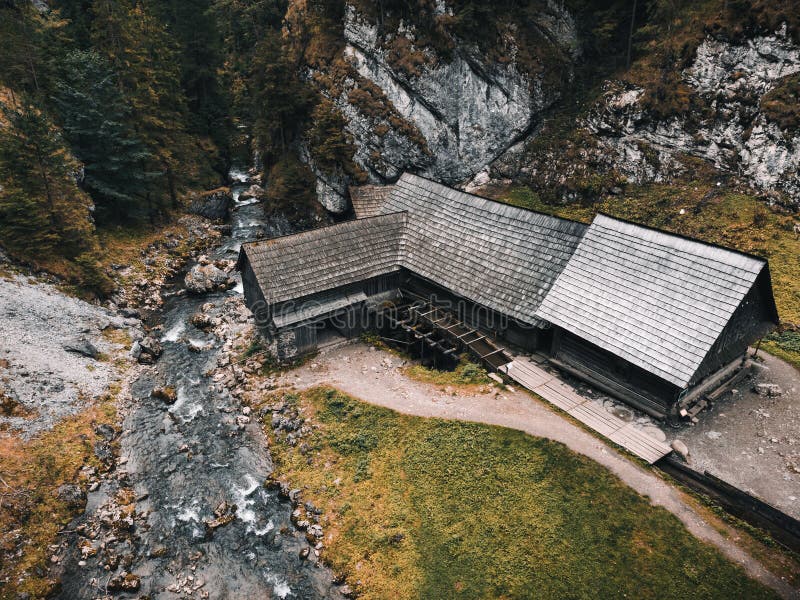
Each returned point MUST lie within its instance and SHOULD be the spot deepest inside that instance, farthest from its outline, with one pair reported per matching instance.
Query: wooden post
(758, 347)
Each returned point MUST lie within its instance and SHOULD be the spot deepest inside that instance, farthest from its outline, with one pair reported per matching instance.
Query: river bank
(162, 459)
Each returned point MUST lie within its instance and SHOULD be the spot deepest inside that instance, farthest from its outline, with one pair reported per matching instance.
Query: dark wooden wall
(615, 375)
(480, 317)
(752, 320)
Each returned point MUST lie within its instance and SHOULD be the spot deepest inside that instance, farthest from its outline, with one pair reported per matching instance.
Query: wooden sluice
(444, 332)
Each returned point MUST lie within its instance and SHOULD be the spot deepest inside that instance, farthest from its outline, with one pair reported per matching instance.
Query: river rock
(202, 279)
(72, 495)
(83, 347)
(680, 449)
(213, 205)
(147, 350)
(124, 582)
(167, 394)
(254, 191)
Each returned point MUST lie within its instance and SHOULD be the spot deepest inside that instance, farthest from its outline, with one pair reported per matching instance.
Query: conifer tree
(41, 208)
(96, 120)
(144, 59)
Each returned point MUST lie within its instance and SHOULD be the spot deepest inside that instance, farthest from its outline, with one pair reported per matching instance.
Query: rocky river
(184, 512)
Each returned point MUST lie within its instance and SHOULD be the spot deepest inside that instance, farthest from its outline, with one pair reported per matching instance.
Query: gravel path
(37, 372)
(752, 440)
(374, 377)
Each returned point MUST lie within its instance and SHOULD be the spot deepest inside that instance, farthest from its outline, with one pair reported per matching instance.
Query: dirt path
(375, 377)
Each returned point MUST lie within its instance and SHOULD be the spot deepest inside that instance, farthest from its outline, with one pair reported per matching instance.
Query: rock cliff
(444, 116)
(734, 124)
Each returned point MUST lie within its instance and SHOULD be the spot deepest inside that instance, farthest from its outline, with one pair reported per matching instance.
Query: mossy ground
(427, 508)
(31, 514)
(466, 373)
(717, 214)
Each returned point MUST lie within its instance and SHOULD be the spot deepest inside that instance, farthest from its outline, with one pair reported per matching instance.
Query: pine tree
(330, 143)
(95, 120)
(41, 208)
(281, 101)
(145, 61)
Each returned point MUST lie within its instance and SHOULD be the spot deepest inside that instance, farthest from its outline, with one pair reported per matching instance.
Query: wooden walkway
(529, 374)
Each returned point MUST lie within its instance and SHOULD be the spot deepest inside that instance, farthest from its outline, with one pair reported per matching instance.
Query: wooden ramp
(529, 374)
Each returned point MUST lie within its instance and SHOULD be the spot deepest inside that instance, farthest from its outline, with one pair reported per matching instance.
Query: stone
(149, 350)
(83, 347)
(124, 582)
(255, 191)
(680, 449)
(202, 279)
(104, 452)
(768, 390)
(106, 431)
(214, 205)
(316, 531)
(167, 394)
(72, 495)
(201, 321)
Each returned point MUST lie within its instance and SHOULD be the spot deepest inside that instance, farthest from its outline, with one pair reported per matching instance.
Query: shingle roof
(368, 199)
(499, 256)
(314, 261)
(657, 300)
(496, 255)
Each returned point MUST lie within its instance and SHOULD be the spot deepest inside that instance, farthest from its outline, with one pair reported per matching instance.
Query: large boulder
(255, 191)
(215, 204)
(83, 347)
(202, 279)
(147, 350)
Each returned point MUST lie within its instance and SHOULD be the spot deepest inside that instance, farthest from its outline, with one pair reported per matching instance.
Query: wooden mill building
(651, 317)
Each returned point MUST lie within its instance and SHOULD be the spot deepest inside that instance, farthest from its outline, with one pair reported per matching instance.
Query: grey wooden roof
(500, 256)
(310, 262)
(655, 299)
(368, 199)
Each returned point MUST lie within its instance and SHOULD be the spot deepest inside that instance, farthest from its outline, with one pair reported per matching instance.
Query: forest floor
(379, 378)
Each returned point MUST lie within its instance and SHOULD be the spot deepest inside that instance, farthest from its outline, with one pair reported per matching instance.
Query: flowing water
(184, 459)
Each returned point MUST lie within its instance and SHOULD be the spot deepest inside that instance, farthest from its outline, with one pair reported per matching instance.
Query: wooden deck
(527, 373)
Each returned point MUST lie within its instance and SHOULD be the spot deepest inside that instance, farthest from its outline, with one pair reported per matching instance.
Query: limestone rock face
(447, 118)
(734, 134)
(468, 110)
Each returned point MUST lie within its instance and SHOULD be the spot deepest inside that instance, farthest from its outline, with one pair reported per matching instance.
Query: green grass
(466, 373)
(427, 508)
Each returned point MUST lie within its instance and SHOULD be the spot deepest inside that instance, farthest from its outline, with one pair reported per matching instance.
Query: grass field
(426, 508)
(714, 214)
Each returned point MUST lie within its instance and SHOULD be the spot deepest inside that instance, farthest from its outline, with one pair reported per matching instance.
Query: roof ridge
(310, 232)
(408, 175)
(679, 236)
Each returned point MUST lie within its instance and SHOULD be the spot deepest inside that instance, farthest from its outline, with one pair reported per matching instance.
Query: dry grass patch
(31, 514)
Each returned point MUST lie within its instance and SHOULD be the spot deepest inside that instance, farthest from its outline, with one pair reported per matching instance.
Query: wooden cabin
(656, 318)
(648, 316)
